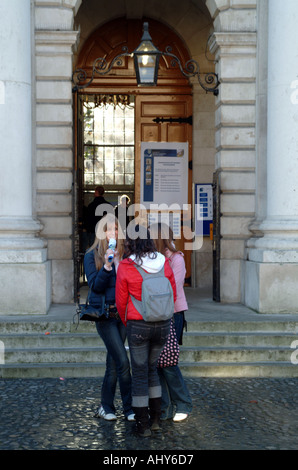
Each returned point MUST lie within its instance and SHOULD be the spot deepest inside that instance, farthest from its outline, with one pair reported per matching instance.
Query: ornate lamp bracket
(208, 81)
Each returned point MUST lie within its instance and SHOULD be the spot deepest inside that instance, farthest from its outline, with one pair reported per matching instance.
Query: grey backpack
(157, 302)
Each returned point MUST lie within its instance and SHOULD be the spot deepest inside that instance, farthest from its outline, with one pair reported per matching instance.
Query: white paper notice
(164, 173)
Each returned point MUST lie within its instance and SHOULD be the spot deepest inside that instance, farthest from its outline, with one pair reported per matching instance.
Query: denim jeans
(179, 323)
(146, 341)
(175, 395)
(113, 334)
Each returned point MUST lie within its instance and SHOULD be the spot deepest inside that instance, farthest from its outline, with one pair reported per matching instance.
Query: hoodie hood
(151, 265)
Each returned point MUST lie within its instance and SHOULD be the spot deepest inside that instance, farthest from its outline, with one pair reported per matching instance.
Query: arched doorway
(171, 100)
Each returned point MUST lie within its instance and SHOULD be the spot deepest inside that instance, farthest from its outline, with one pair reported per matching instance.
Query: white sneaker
(131, 417)
(107, 416)
(180, 416)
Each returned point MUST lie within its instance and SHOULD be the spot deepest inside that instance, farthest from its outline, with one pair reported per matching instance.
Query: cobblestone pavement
(228, 414)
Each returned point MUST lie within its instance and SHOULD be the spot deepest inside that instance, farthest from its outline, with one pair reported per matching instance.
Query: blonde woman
(101, 276)
(176, 400)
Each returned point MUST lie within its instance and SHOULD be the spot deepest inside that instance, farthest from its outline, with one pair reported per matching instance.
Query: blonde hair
(100, 244)
(163, 237)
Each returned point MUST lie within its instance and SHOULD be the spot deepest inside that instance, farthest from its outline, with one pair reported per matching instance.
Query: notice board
(164, 173)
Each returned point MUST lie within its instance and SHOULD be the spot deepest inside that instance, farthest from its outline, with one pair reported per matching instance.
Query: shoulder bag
(170, 353)
(87, 312)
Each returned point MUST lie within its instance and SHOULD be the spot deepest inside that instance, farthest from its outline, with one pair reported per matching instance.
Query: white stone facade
(241, 134)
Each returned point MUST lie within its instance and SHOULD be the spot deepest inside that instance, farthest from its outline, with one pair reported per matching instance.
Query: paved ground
(228, 414)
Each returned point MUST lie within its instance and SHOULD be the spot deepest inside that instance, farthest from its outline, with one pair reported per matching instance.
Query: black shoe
(142, 421)
(155, 413)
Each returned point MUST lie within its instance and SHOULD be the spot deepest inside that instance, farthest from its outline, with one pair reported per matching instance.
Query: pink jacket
(178, 266)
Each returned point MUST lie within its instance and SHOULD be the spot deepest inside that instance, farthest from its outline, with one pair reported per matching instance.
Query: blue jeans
(113, 334)
(179, 323)
(146, 341)
(175, 395)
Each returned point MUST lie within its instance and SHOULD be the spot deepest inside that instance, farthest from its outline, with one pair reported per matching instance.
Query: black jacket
(100, 282)
(91, 218)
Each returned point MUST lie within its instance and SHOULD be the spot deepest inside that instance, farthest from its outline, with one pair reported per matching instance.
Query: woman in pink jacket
(176, 400)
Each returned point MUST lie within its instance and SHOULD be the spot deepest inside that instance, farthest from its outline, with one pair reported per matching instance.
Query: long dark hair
(139, 243)
(163, 237)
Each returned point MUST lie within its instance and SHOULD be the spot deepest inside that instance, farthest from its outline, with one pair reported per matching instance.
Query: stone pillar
(235, 53)
(54, 44)
(24, 271)
(272, 269)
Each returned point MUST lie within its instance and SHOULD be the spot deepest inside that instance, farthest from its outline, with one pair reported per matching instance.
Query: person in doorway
(94, 214)
(121, 212)
(176, 400)
(101, 277)
(145, 339)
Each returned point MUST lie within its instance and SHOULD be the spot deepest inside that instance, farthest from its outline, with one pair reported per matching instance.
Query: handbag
(170, 353)
(87, 312)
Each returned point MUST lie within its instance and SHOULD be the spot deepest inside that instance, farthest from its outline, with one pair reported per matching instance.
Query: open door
(176, 111)
(172, 98)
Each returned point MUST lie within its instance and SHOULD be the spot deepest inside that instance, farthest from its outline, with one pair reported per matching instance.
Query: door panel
(173, 106)
(175, 133)
(150, 133)
(170, 109)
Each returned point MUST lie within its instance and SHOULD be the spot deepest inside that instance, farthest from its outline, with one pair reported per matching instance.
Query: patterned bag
(170, 353)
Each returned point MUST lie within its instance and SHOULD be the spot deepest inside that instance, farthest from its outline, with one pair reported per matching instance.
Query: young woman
(176, 400)
(101, 277)
(146, 339)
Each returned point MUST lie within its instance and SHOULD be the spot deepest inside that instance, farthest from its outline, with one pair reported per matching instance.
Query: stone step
(238, 326)
(58, 340)
(190, 339)
(187, 354)
(235, 354)
(208, 369)
(210, 348)
(239, 338)
(262, 325)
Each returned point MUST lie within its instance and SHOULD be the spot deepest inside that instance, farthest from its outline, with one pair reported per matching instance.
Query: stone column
(24, 272)
(272, 269)
(235, 53)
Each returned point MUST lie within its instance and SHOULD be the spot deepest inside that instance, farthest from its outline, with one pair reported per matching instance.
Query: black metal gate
(77, 199)
(216, 236)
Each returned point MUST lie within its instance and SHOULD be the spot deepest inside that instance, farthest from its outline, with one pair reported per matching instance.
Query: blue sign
(203, 209)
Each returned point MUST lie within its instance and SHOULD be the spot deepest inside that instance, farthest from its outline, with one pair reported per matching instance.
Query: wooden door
(149, 107)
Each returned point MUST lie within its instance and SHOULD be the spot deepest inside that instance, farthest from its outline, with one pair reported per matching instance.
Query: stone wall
(54, 45)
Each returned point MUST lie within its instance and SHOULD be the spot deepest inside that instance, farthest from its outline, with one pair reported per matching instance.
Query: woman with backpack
(101, 263)
(176, 400)
(146, 339)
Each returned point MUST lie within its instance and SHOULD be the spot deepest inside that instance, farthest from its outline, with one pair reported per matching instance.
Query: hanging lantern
(146, 60)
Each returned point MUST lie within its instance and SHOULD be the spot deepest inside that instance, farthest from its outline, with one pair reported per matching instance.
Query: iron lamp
(146, 60)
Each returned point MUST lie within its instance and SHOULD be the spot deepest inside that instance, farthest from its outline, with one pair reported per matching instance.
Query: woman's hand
(108, 264)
